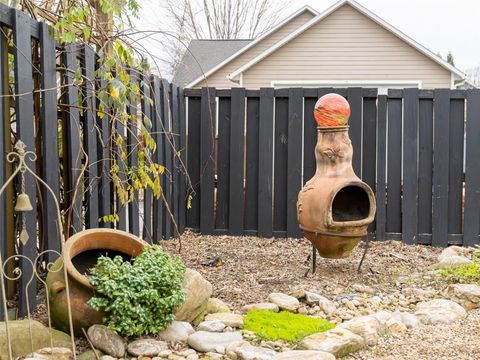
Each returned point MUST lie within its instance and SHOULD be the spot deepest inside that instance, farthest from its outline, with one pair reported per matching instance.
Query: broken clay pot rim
(108, 239)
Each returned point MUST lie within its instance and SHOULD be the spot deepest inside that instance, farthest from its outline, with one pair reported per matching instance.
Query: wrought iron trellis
(20, 155)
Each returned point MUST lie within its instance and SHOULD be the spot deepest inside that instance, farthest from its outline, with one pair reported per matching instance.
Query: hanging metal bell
(23, 203)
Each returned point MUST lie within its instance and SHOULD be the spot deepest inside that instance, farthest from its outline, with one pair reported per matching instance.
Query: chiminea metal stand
(335, 207)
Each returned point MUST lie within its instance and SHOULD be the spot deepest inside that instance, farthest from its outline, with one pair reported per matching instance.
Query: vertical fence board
(73, 136)
(175, 155)
(147, 232)
(193, 160)
(309, 139)
(157, 156)
(472, 169)
(104, 150)
(294, 158)
(251, 175)
(90, 138)
(455, 180)
(440, 166)
(394, 166)
(166, 178)
(354, 96)
(369, 146)
(120, 209)
(381, 217)
(183, 158)
(49, 131)
(425, 161)
(410, 179)
(132, 151)
(207, 134)
(237, 141)
(26, 133)
(265, 163)
(280, 166)
(223, 163)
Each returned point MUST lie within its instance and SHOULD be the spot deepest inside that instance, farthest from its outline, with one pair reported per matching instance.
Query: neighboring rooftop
(203, 55)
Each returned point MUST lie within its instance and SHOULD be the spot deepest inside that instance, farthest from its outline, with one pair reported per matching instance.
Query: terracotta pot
(335, 207)
(80, 253)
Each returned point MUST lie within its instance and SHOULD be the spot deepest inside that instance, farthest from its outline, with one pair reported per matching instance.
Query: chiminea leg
(367, 245)
(314, 254)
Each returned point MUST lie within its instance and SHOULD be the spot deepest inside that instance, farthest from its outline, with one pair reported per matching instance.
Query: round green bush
(138, 296)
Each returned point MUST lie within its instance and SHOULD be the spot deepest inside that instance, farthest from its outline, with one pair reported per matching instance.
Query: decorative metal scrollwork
(23, 204)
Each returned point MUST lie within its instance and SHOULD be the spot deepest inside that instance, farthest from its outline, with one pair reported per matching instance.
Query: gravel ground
(457, 341)
(246, 269)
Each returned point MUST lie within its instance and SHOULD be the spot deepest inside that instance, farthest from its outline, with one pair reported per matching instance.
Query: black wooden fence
(250, 152)
(55, 116)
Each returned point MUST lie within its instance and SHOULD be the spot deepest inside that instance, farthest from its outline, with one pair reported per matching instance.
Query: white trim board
(253, 43)
(365, 12)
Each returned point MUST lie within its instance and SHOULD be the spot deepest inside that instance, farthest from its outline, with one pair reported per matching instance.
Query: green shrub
(138, 296)
(283, 325)
(464, 273)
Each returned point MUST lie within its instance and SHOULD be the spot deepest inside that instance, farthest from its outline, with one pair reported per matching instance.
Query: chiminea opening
(351, 203)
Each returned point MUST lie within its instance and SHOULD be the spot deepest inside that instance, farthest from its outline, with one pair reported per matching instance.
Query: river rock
(382, 316)
(339, 342)
(368, 327)
(106, 340)
(395, 325)
(204, 341)
(250, 352)
(90, 355)
(439, 311)
(177, 331)
(21, 344)
(197, 292)
(231, 349)
(146, 347)
(284, 301)
(467, 295)
(304, 355)
(454, 260)
(410, 320)
(55, 353)
(211, 326)
(261, 306)
(229, 319)
(215, 305)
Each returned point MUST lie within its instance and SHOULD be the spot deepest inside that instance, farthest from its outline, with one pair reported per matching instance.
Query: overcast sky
(440, 25)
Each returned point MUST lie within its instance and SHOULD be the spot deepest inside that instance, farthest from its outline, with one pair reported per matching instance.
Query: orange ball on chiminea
(331, 110)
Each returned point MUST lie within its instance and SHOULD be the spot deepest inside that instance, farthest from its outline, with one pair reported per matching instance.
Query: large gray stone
(106, 340)
(21, 344)
(467, 295)
(250, 352)
(284, 301)
(197, 292)
(409, 320)
(368, 327)
(261, 306)
(305, 355)
(439, 311)
(339, 342)
(177, 331)
(215, 305)
(146, 347)
(204, 341)
(211, 326)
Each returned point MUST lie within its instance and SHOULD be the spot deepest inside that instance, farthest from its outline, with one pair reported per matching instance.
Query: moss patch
(283, 325)
(464, 273)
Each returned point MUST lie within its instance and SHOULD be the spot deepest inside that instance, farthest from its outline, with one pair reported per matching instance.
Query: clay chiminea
(334, 207)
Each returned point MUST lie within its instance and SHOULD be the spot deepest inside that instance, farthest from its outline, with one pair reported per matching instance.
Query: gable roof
(252, 43)
(202, 55)
(365, 12)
